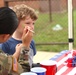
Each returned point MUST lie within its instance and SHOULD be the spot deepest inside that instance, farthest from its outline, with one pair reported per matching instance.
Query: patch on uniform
(15, 65)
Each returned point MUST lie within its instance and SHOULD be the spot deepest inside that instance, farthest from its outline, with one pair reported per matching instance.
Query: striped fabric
(61, 68)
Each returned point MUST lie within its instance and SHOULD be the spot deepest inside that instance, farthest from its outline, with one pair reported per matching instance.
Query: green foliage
(44, 32)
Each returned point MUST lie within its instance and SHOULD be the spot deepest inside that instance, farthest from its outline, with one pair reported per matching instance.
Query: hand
(18, 48)
(27, 36)
(17, 52)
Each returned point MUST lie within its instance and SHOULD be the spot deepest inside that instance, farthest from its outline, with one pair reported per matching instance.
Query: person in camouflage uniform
(8, 24)
(27, 18)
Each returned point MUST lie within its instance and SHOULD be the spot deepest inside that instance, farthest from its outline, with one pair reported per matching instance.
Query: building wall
(43, 5)
(74, 4)
(33, 4)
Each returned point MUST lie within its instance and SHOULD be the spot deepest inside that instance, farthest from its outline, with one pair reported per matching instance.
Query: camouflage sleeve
(23, 60)
(6, 64)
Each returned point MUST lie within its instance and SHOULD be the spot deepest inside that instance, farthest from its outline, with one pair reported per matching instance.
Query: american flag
(62, 69)
(15, 64)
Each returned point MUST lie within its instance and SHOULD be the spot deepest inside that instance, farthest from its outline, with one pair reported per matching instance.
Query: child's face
(28, 22)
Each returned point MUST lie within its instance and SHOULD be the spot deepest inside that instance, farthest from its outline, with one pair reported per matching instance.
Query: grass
(45, 34)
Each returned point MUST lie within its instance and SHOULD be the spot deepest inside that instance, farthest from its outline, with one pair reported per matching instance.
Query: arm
(6, 64)
(23, 58)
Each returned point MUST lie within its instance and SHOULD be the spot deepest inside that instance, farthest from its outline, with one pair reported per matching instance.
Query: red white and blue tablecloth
(61, 68)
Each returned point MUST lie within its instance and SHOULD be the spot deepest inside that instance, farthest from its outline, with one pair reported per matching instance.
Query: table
(61, 68)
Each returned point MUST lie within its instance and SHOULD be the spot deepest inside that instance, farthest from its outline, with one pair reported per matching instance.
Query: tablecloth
(61, 68)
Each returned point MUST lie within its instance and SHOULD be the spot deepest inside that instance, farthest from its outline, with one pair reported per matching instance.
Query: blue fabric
(59, 54)
(9, 46)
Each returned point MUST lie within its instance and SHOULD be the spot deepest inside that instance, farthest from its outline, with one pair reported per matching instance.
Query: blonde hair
(22, 11)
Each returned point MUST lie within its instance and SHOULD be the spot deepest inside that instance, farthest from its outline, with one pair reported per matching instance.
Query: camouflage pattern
(6, 62)
(6, 65)
(23, 60)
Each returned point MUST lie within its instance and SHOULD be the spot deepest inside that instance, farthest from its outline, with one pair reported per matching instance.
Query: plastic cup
(50, 65)
(69, 62)
(39, 70)
(28, 73)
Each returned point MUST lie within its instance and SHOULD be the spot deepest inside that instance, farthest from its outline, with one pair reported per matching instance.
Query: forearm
(21, 49)
(24, 58)
(16, 55)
